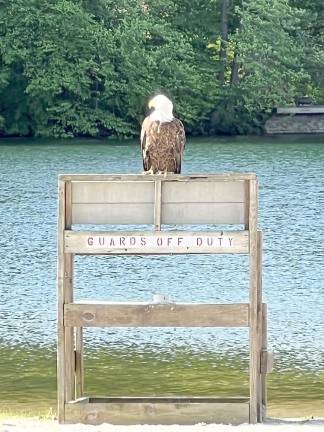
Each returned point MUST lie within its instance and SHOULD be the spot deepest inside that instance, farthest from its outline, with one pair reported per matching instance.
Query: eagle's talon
(150, 171)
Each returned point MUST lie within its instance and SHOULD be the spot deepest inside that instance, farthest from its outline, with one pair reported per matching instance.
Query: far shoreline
(239, 139)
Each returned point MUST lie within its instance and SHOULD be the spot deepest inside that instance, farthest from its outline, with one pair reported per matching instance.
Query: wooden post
(79, 371)
(254, 306)
(65, 357)
(260, 320)
(264, 349)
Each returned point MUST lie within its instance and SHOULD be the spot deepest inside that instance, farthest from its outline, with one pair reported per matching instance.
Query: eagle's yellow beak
(151, 104)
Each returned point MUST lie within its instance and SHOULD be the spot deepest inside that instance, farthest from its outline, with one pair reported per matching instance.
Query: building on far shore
(307, 119)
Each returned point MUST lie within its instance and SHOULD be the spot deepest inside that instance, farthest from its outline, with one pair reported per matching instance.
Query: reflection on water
(149, 371)
(172, 361)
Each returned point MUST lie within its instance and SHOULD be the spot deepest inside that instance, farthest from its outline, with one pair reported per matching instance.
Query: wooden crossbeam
(185, 410)
(162, 242)
(107, 314)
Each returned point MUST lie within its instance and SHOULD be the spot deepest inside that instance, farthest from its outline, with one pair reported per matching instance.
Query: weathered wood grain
(209, 192)
(164, 242)
(113, 214)
(172, 214)
(260, 321)
(112, 192)
(181, 202)
(152, 177)
(182, 411)
(65, 349)
(254, 307)
(203, 213)
(156, 315)
(79, 364)
(158, 205)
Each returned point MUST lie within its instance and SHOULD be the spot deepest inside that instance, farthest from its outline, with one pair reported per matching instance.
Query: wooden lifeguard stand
(156, 201)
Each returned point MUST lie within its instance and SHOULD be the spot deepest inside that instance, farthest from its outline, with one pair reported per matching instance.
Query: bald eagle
(163, 138)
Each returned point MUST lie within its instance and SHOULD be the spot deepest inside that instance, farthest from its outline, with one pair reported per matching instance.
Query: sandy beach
(272, 425)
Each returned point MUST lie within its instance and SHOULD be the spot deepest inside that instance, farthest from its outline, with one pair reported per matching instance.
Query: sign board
(158, 243)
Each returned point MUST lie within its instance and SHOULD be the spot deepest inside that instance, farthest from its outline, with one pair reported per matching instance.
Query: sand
(31, 425)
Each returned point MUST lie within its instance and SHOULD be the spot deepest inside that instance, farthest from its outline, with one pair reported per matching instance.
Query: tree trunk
(224, 38)
(235, 68)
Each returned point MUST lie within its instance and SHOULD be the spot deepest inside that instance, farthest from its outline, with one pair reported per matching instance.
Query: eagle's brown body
(162, 145)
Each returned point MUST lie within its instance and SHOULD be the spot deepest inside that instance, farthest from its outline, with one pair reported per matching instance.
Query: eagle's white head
(163, 109)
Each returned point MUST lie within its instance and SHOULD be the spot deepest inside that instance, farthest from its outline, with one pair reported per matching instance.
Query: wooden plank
(185, 200)
(183, 411)
(79, 367)
(246, 204)
(69, 367)
(164, 242)
(254, 311)
(263, 369)
(259, 318)
(113, 214)
(143, 214)
(96, 192)
(60, 302)
(65, 351)
(68, 297)
(266, 362)
(110, 314)
(158, 205)
(203, 213)
(152, 177)
(196, 192)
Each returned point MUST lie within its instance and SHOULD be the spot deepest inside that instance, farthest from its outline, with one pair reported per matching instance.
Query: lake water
(165, 361)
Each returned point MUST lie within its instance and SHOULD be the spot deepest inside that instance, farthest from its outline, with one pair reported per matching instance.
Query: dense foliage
(88, 67)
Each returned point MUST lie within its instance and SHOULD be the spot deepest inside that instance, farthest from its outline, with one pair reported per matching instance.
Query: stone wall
(285, 124)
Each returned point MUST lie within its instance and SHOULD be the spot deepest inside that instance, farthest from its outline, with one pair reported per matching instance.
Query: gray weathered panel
(203, 213)
(113, 214)
(112, 192)
(132, 202)
(203, 192)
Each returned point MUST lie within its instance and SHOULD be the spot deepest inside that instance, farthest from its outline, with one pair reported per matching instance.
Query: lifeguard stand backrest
(131, 199)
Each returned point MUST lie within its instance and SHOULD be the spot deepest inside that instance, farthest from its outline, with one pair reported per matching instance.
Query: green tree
(87, 68)
(263, 66)
(311, 36)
